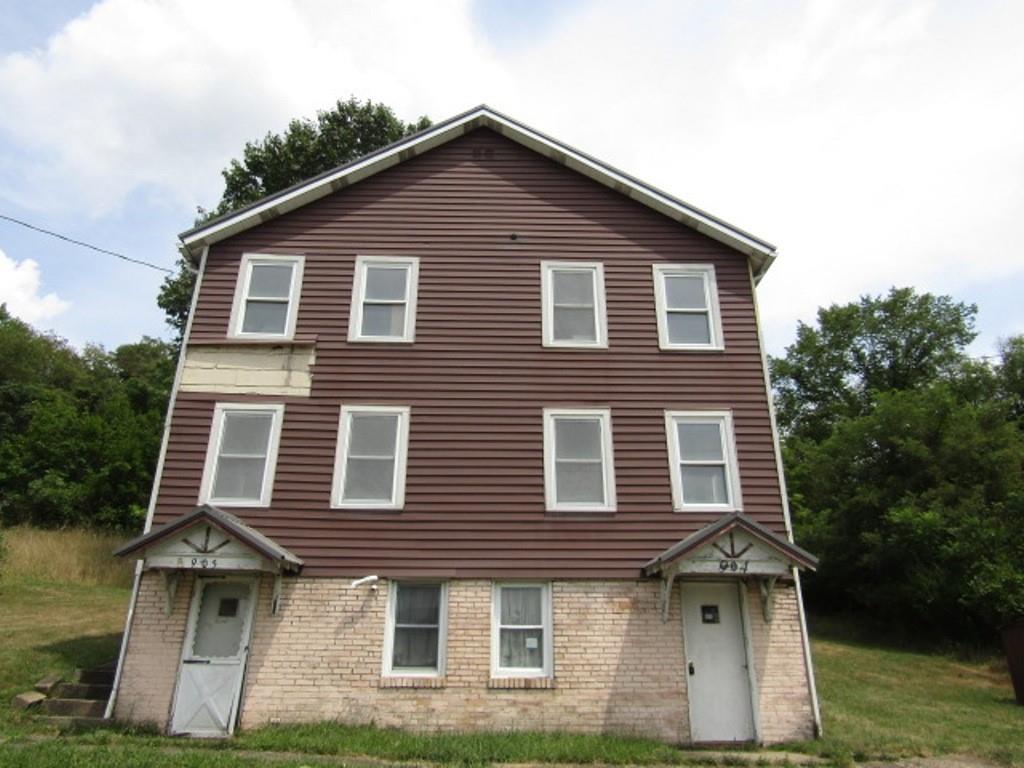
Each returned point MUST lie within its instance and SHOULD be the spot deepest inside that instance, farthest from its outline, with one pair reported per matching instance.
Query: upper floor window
(242, 454)
(370, 465)
(578, 463)
(267, 296)
(702, 453)
(572, 299)
(521, 642)
(686, 298)
(415, 639)
(384, 299)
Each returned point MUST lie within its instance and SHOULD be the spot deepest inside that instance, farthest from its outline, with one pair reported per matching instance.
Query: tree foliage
(905, 463)
(79, 432)
(307, 148)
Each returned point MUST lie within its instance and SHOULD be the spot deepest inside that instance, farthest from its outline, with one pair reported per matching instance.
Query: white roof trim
(761, 253)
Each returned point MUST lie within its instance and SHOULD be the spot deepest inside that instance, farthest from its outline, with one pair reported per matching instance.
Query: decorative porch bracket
(668, 577)
(275, 597)
(767, 588)
(171, 580)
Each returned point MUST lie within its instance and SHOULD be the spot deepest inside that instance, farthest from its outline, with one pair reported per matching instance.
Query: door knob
(690, 668)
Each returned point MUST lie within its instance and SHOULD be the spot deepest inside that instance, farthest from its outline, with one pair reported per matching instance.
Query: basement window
(267, 297)
(384, 299)
(242, 454)
(521, 644)
(415, 640)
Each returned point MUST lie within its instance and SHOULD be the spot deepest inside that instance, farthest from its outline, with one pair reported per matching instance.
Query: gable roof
(761, 253)
(227, 523)
(730, 522)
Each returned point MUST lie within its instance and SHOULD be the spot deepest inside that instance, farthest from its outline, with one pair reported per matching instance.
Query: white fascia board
(761, 253)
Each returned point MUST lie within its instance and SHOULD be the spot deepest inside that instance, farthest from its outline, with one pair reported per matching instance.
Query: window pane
(246, 433)
(700, 442)
(521, 605)
(383, 320)
(265, 317)
(574, 325)
(414, 648)
(418, 604)
(573, 287)
(386, 283)
(270, 281)
(685, 292)
(577, 483)
(577, 438)
(704, 485)
(688, 328)
(238, 478)
(522, 648)
(369, 479)
(373, 434)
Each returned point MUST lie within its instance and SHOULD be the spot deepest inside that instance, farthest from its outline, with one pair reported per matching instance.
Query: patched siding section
(258, 369)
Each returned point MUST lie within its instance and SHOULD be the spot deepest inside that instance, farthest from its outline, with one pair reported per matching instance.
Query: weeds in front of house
(71, 556)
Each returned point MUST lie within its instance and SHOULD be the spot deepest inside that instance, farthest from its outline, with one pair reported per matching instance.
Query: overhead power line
(96, 248)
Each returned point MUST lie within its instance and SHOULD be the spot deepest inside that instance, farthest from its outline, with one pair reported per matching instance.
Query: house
(472, 433)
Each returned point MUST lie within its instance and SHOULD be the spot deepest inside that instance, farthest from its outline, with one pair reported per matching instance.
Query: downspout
(804, 636)
(157, 477)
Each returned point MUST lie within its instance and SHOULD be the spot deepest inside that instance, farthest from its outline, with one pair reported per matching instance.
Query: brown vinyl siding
(477, 376)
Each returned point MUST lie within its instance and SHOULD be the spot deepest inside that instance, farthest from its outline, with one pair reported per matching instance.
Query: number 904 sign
(733, 566)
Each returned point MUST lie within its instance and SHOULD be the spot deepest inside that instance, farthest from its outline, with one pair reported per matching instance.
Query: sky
(875, 143)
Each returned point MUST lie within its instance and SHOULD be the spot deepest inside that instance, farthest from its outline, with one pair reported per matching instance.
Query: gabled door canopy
(210, 540)
(733, 546)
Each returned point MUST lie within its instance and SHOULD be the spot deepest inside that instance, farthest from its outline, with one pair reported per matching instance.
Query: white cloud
(875, 142)
(19, 290)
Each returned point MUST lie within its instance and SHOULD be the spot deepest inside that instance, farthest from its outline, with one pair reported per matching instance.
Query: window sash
(217, 456)
(361, 300)
(552, 305)
(604, 460)
(709, 311)
(391, 664)
(345, 457)
(500, 630)
(727, 463)
(246, 296)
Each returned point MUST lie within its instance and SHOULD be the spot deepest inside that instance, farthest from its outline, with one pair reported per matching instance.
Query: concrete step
(81, 691)
(73, 707)
(72, 724)
(102, 675)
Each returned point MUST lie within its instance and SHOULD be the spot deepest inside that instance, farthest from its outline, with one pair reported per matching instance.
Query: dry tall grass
(75, 556)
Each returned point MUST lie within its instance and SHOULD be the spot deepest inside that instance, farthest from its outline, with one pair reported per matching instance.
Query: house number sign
(731, 561)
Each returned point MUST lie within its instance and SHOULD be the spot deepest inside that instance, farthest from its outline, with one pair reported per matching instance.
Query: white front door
(213, 660)
(717, 673)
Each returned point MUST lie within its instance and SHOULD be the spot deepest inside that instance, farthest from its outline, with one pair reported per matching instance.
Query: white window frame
(355, 324)
(397, 500)
(707, 273)
(547, 617)
(604, 415)
(442, 631)
(220, 410)
(732, 474)
(548, 303)
(242, 294)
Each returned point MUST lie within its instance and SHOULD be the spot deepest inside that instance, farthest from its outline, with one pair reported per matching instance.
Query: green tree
(836, 369)
(307, 148)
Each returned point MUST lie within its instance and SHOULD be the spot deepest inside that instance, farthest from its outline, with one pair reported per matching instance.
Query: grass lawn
(878, 703)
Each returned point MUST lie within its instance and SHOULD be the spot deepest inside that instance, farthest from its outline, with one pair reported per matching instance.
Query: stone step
(72, 724)
(81, 691)
(73, 707)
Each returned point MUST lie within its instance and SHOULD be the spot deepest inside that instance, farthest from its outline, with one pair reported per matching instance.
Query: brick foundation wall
(618, 667)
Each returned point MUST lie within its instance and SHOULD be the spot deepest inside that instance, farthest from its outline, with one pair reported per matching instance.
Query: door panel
(213, 662)
(718, 679)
